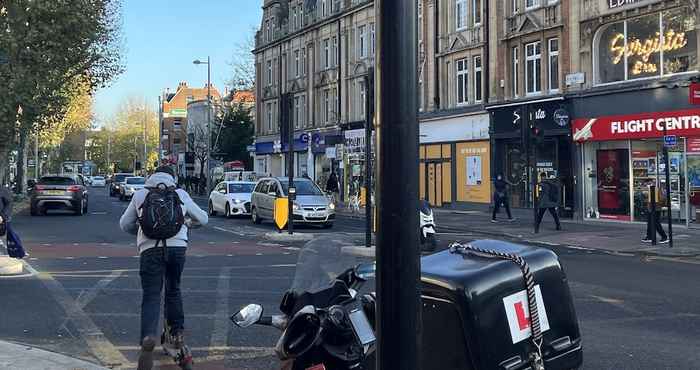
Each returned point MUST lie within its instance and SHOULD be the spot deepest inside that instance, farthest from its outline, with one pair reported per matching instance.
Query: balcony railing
(546, 16)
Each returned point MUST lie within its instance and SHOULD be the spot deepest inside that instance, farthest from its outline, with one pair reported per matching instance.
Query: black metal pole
(398, 253)
(288, 122)
(668, 198)
(369, 122)
(651, 222)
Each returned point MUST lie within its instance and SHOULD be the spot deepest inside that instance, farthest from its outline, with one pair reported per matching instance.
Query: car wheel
(254, 216)
(78, 209)
(85, 207)
(212, 212)
(228, 211)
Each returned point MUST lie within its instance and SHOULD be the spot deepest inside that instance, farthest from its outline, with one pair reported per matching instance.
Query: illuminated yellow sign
(645, 48)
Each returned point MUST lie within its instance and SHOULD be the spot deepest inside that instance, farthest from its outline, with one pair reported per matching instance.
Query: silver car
(311, 206)
(130, 186)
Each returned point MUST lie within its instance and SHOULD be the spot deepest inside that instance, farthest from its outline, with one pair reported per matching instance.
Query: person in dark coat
(548, 199)
(5, 204)
(500, 197)
(654, 226)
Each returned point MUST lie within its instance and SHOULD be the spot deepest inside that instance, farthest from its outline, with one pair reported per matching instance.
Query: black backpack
(161, 213)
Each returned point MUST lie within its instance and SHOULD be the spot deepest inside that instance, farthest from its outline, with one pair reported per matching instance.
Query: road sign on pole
(670, 141)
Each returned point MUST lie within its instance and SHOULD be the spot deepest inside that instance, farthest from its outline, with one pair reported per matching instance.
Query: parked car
(59, 192)
(311, 206)
(232, 198)
(117, 182)
(130, 186)
(99, 182)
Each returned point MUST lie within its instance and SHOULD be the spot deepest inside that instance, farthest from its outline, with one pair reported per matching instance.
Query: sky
(163, 37)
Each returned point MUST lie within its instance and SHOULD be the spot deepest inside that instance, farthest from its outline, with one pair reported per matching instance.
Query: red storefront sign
(637, 126)
(693, 145)
(694, 92)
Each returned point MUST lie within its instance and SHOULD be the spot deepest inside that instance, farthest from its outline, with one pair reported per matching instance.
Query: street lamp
(208, 63)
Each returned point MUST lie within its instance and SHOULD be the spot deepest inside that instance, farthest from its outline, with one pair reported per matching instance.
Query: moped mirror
(248, 315)
(366, 270)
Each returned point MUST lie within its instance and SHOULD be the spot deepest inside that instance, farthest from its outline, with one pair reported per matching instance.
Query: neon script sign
(644, 49)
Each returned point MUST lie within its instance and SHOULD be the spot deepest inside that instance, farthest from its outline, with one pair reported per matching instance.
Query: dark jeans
(540, 214)
(657, 226)
(155, 266)
(497, 206)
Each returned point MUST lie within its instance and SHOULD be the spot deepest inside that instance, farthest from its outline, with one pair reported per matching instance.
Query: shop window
(645, 47)
(607, 189)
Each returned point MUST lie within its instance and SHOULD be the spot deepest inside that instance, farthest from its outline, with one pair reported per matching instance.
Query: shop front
(455, 160)
(531, 138)
(622, 156)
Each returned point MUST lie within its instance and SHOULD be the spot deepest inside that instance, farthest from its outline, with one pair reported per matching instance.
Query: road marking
(99, 213)
(291, 249)
(229, 255)
(258, 254)
(98, 344)
(69, 258)
(219, 336)
(76, 243)
(84, 299)
(102, 257)
(619, 303)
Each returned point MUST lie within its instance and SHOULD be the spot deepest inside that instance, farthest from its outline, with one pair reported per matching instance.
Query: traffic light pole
(397, 252)
(369, 122)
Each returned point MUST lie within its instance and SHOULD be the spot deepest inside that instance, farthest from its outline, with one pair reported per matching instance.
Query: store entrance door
(433, 179)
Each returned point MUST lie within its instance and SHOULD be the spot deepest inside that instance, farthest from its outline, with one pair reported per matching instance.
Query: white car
(98, 182)
(232, 198)
(130, 186)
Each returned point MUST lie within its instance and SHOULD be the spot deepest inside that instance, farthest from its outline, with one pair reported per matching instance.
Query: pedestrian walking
(654, 223)
(156, 215)
(332, 185)
(548, 199)
(500, 197)
(5, 208)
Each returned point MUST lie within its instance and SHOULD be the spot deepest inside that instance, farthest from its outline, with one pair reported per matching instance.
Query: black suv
(117, 182)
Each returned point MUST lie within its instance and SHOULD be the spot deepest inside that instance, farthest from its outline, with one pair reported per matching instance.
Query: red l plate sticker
(317, 367)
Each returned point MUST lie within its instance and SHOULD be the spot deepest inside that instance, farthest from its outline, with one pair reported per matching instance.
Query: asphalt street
(85, 298)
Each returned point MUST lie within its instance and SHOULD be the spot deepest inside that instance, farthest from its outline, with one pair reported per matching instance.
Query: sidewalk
(613, 237)
(17, 356)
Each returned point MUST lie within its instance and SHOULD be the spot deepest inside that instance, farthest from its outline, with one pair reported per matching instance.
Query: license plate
(317, 367)
(54, 192)
(316, 214)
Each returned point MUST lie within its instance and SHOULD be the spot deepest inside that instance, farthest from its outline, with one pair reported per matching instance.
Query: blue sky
(163, 37)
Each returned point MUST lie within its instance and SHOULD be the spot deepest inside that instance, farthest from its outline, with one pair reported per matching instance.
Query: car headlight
(237, 201)
(295, 207)
(331, 206)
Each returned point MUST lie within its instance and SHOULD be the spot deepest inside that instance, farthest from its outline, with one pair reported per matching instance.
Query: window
(269, 73)
(300, 17)
(529, 4)
(334, 51)
(476, 11)
(362, 96)
(294, 17)
(268, 108)
(326, 106)
(553, 55)
(296, 63)
(477, 79)
(334, 107)
(462, 81)
(267, 30)
(326, 54)
(533, 65)
(324, 8)
(303, 61)
(514, 6)
(372, 36)
(646, 47)
(516, 66)
(304, 121)
(461, 14)
(297, 112)
(362, 42)
(420, 22)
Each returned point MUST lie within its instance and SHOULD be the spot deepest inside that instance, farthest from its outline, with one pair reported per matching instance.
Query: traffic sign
(670, 141)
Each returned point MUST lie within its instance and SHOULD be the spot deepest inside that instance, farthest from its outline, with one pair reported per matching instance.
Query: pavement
(605, 236)
(14, 356)
(83, 298)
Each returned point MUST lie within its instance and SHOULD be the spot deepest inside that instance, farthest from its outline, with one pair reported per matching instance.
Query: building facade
(318, 52)
(173, 120)
(635, 63)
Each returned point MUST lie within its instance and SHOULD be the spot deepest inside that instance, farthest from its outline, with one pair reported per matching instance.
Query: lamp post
(208, 63)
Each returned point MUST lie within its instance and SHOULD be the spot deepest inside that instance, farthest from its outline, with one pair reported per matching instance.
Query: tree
(46, 46)
(243, 64)
(236, 134)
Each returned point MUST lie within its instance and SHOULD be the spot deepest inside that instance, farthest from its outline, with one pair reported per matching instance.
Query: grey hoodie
(129, 220)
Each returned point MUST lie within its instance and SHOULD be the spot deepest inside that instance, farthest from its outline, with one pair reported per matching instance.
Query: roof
(243, 96)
